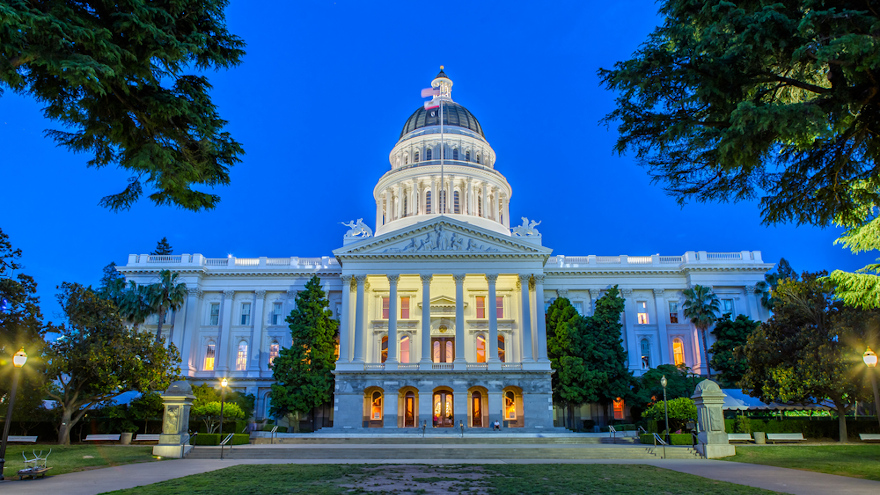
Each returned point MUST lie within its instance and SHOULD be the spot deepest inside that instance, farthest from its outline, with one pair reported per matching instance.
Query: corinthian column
(541, 319)
(526, 321)
(345, 321)
(460, 363)
(359, 320)
(391, 362)
(425, 361)
(492, 307)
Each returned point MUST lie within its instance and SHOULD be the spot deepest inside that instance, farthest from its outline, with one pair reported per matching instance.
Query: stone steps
(441, 441)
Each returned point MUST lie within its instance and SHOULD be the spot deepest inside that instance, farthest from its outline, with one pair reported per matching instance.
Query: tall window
(428, 202)
(384, 356)
(406, 159)
(509, 405)
(578, 306)
(456, 207)
(214, 315)
(404, 350)
(501, 353)
(209, 358)
(376, 406)
(499, 307)
(245, 313)
(646, 354)
(673, 312)
(405, 205)
(241, 358)
(442, 208)
(467, 155)
(642, 307)
(274, 349)
(428, 154)
(479, 206)
(404, 308)
(385, 307)
(455, 153)
(481, 306)
(678, 352)
(481, 349)
(479, 158)
(416, 157)
(618, 408)
(276, 313)
(727, 306)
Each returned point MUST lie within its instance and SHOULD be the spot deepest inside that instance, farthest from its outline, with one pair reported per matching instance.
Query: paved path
(132, 475)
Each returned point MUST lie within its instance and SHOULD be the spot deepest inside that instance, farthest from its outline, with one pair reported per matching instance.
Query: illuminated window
(501, 348)
(481, 306)
(404, 307)
(499, 307)
(336, 347)
(428, 202)
(276, 313)
(376, 406)
(416, 157)
(646, 353)
(274, 349)
(477, 410)
(241, 358)
(509, 405)
(481, 349)
(428, 154)
(455, 153)
(618, 408)
(404, 350)
(384, 355)
(245, 313)
(642, 308)
(456, 207)
(385, 303)
(727, 306)
(209, 358)
(214, 315)
(678, 352)
(673, 312)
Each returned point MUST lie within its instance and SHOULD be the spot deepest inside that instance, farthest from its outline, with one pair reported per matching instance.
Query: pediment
(441, 237)
(442, 302)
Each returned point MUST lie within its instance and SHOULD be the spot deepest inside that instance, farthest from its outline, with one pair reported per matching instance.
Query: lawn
(856, 461)
(502, 479)
(70, 458)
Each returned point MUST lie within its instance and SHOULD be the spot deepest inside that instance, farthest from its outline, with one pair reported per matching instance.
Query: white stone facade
(427, 282)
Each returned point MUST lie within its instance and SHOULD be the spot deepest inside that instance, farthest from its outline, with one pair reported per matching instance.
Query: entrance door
(443, 416)
(443, 349)
(409, 407)
(476, 410)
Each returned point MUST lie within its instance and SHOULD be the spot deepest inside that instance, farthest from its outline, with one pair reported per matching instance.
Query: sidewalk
(132, 475)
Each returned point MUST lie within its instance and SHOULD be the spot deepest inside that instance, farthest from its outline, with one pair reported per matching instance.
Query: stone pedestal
(174, 439)
(713, 441)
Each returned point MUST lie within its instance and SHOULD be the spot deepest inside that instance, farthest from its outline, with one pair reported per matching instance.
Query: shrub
(743, 424)
(214, 439)
(675, 439)
(680, 411)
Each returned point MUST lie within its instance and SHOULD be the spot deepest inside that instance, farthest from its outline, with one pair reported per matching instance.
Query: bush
(675, 439)
(743, 424)
(213, 439)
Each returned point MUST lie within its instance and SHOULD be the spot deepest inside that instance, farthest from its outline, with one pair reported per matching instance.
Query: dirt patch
(420, 479)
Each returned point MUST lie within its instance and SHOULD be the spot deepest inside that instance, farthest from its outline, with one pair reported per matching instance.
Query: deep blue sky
(319, 102)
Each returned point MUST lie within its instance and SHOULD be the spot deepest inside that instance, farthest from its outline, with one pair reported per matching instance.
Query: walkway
(132, 475)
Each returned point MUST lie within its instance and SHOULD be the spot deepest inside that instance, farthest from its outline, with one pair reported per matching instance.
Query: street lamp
(663, 383)
(223, 385)
(870, 360)
(18, 361)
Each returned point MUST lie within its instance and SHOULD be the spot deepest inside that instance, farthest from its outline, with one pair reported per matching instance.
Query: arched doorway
(408, 407)
(512, 407)
(374, 407)
(444, 416)
(478, 411)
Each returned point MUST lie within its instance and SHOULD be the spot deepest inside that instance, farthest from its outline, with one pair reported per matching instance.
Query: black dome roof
(453, 114)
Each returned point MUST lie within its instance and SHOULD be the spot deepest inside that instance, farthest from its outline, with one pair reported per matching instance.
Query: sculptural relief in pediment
(441, 239)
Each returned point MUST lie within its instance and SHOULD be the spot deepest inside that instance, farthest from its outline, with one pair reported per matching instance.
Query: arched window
(467, 155)
(405, 205)
(376, 406)
(241, 358)
(678, 352)
(476, 410)
(479, 158)
(455, 153)
(428, 154)
(274, 350)
(509, 405)
(409, 407)
(456, 206)
(479, 206)
(646, 354)
(416, 157)
(209, 357)
(384, 349)
(406, 159)
(404, 350)
(481, 349)
(442, 207)
(501, 348)
(428, 202)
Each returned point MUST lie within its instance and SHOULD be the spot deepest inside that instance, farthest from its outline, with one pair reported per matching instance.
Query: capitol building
(441, 309)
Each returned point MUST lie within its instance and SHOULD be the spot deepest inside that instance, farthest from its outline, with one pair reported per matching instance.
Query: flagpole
(442, 149)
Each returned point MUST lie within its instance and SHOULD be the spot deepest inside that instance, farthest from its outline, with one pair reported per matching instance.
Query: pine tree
(727, 357)
(303, 372)
(604, 351)
(163, 248)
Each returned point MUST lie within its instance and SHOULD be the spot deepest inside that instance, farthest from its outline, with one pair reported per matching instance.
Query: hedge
(810, 428)
(214, 439)
(674, 438)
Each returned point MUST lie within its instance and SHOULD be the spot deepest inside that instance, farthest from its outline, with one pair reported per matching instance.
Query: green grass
(70, 458)
(855, 461)
(559, 479)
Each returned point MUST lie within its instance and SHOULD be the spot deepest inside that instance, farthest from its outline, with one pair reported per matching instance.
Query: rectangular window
(673, 312)
(274, 349)
(404, 307)
(245, 313)
(727, 306)
(209, 358)
(241, 357)
(578, 306)
(214, 318)
(385, 305)
(618, 408)
(642, 307)
(276, 313)
(499, 307)
(481, 306)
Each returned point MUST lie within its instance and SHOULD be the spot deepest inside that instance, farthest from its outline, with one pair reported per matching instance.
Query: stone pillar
(493, 363)
(391, 362)
(485, 200)
(470, 196)
(190, 334)
(413, 202)
(526, 320)
(460, 401)
(662, 320)
(345, 321)
(399, 208)
(174, 439)
(425, 360)
(389, 407)
(359, 320)
(713, 441)
(632, 347)
(496, 412)
(752, 298)
(460, 363)
(257, 329)
(434, 195)
(426, 404)
(379, 220)
(542, 319)
(226, 303)
(507, 212)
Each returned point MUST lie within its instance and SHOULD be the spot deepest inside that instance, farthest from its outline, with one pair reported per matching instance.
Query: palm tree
(132, 303)
(701, 305)
(165, 295)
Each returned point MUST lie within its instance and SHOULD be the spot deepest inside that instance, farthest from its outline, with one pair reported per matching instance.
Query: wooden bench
(739, 437)
(865, 437)
(19, 438)
(147, 437)
(785, 437)
(113, 437)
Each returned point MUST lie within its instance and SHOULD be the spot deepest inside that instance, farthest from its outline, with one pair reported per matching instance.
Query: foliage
(303, 372)
(771, 280)
(216, 438)
(112, 75)
(860, 289)
(210, 413)
(165, 295)
(681, 410)
(604, 351)
(205, 393)
(674, 439)
(810, 349)
(97, 358)
(112, 282)
(727, 358)
(701, 306)
(146, 407)
(163, 248)
(649, 390)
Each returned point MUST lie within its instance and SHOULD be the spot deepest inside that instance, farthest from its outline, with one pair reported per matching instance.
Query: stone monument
(713, 440)
(174, 439)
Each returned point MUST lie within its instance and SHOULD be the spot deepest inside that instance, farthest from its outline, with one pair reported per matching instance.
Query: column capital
(492, 277)
(393, 278)
(626, 292)
(229, 293)
(459, 278)
(195, 292)
(260, 294)
(659, 292)
(426, 277)
(750, 289)
(346, 278)
(360, 279)
(291, 294)
(562, 293)
(539, 278)
(525, 277)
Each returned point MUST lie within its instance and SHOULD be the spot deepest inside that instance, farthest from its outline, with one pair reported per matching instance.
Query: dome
(453, 115)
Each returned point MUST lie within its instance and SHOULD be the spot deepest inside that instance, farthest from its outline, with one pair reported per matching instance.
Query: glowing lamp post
(870, 359)
(223, 385)
(663, 383)
(18, 361)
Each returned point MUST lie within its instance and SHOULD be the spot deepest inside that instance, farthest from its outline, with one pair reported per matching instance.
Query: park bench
(785, 437)
(869, 437)
(113, 437)
(19, 438)
(739, 437)
(147, 437)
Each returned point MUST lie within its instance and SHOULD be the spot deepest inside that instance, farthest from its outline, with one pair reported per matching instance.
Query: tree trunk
(706, 351)
(296, 421)
(841, 423)
(159, 325)
(66, 426)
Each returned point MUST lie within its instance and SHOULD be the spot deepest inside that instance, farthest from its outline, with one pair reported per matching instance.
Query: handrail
(642, 430)
(191, 437)
(274, 429)
(657, 438)
(613, 432)
(227, 439)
